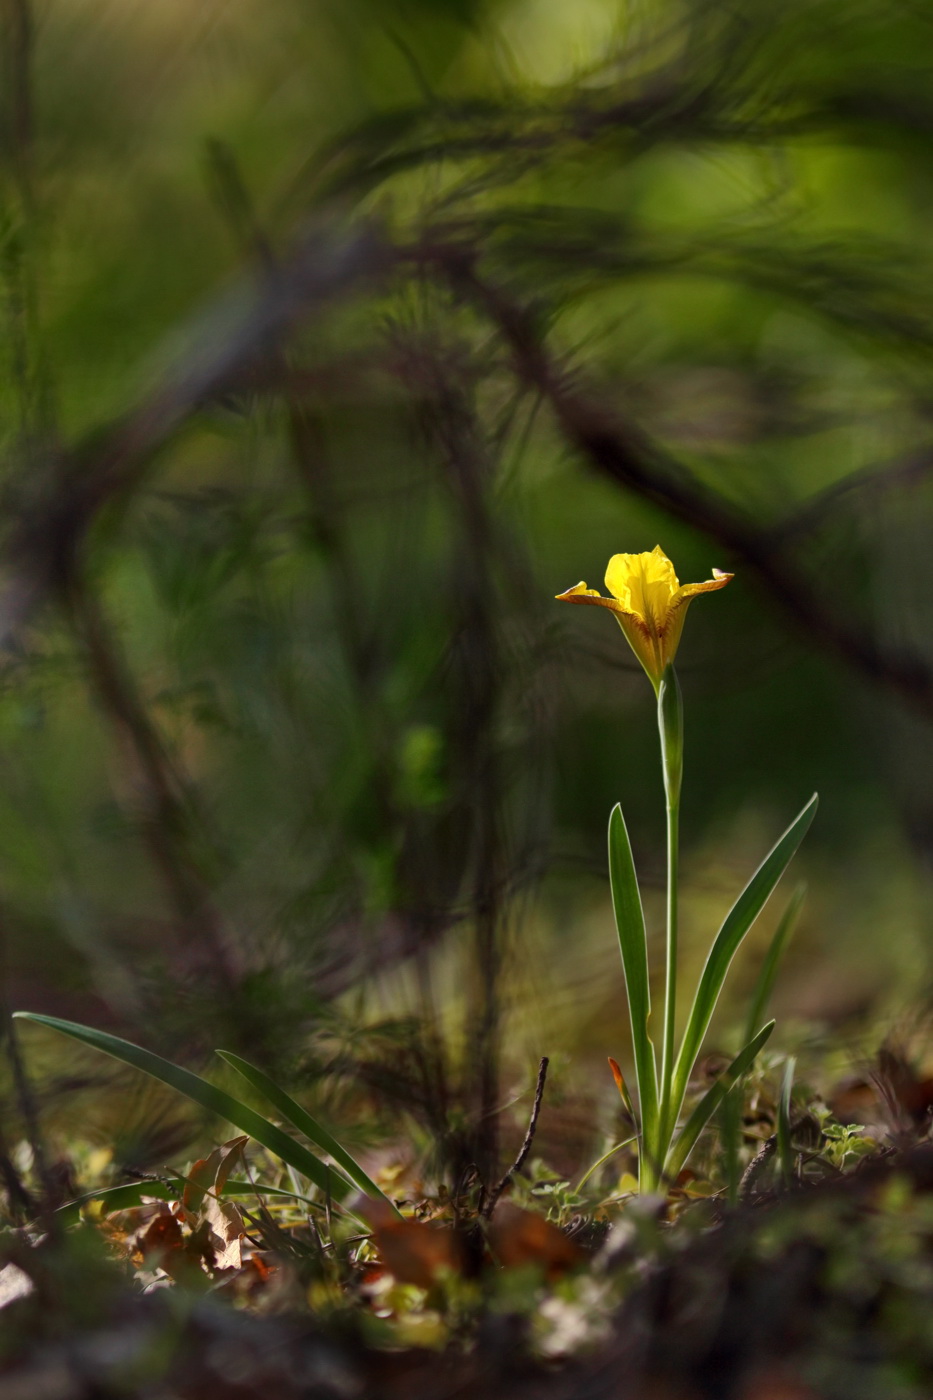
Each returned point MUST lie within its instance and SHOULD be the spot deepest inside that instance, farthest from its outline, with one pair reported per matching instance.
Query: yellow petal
(581, 594)
(644, 584)
(649, 603)
(690, 590)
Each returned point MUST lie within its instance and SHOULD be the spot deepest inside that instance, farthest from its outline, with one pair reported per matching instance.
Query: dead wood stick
(756, 1166)
(526, 1145)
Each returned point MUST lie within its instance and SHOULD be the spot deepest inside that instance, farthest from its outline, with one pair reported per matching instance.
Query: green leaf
(730, 1116)
(131, 1194)
(687, 1138)
(616, 1147)
(203, 1093)
(736, 925)
(633, 943)
(302, 1120)
(769, 968)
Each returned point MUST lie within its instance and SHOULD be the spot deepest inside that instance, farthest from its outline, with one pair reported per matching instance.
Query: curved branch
(624, 454)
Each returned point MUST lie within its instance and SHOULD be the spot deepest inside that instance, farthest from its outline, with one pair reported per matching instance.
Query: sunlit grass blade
(207, 1095)
(730, 1139)
(730, 1115)
(769, 968)
(303, 1121)
(784, 1144)
(633, 943)
(687, 1138)
(130, 1194)
(736, 925)
(616, 1147)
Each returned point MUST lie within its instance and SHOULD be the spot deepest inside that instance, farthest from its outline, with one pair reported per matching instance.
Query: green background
(717, 220)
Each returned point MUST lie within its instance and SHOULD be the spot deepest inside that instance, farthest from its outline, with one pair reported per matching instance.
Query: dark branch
(226, 344)
(627, 456)
(526, 1145)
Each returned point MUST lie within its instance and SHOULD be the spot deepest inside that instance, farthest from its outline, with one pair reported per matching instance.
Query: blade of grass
(131, 1193)
(730, 1138)
(299, 1118)
(687, 1138)
(616, 1147)
(633, 944)
(784, 1144)
(201, 1092)
(730, 1115)
(735, 926)
(769, 968)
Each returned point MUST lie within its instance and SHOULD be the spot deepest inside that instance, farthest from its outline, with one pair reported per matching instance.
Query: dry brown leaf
(417, 1253)
(893, 1093)
(375, 1210)
(162, 1243)
(258, 1265)
(518, 1237)
(254, 1278)
(210, 1173)
(226, 1231)
(852, 1099)
(901, 1087)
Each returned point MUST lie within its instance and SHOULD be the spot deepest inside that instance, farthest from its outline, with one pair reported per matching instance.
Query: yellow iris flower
(649, 604)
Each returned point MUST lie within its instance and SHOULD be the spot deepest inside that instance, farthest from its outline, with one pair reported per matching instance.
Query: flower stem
(670, 988)
(671, 727)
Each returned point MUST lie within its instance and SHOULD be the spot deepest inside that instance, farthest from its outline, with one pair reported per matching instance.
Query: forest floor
(816, 1280)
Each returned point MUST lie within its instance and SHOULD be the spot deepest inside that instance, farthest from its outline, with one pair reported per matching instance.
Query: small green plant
(650, 605)
(843, 1143)
(333, 1181)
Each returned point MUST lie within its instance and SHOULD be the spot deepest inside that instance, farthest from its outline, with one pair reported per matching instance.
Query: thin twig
(668, 110)
(756, 1166)
(526, 1145)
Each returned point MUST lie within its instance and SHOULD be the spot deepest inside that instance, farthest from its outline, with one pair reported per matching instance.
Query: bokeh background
(337, 339)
